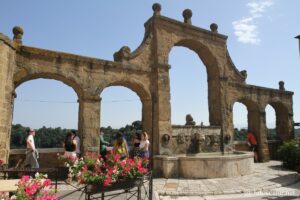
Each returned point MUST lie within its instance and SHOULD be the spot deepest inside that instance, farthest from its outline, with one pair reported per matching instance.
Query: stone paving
(266, 177)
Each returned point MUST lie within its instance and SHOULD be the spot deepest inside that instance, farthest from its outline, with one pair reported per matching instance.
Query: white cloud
(245, 29)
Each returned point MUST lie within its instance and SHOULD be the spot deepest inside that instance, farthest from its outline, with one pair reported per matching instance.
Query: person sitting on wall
(252, 143)
(120, 146)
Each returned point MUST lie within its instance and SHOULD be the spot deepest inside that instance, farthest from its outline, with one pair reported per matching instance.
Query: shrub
(289, 153)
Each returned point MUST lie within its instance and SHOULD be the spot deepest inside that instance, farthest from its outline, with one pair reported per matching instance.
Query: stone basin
(204, 165)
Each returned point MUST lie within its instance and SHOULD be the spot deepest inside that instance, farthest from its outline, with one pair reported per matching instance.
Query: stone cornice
(61, 57)
(7, 41)
(188, 27)
(259, 88)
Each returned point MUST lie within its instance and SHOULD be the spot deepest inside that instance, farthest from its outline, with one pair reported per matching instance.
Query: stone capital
(166, 67)
(90, 98)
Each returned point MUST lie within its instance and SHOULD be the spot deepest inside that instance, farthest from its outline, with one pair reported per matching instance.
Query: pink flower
(25, 179)
(117, 157)
(47, 182)
(122, 163)
(107, 181)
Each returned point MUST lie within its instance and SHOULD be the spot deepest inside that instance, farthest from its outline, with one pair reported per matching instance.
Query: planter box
(91, 189)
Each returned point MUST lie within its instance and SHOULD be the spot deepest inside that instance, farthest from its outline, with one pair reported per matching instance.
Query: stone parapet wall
(47, 157)
(273, 146)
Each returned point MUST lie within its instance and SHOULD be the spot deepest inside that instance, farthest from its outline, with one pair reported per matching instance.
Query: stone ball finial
(244, 73)
(281, 85)
(187, 15)
(214, 27)
(18, 33)
(156, 9)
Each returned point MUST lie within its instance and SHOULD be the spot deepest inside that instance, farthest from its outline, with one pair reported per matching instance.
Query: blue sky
(260, 40)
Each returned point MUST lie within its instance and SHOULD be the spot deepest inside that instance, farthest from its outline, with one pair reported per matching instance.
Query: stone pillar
(257, 123)
(147, 116)
(89, 122)
(7, 64)
(227, 125)
(161, 106)
(214, 100)
(284, 124)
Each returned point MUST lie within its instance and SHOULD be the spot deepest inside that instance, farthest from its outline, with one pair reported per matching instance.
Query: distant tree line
(54, 137)
(241, 134)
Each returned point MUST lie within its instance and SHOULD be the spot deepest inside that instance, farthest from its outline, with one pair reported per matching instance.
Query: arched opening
(49, 106)
(271, 123)
(274, 141)
(212, 72)
(121, 109)
(256, 126)
(240, 121)
(188, 87)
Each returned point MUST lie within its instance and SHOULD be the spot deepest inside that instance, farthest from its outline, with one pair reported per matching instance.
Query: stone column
(216, 96)
(89, 122)
(161, 106)
(257, 123)
(7, 64)
(284, 124)
(227, 125)
(147, 116)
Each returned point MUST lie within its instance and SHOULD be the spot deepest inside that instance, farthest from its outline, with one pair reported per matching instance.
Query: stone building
(146, 72)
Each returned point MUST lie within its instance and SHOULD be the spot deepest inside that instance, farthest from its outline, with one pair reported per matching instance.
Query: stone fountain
(195, 152)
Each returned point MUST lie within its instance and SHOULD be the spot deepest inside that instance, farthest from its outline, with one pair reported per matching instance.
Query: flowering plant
(68, 161)
(93, 169)
(39, 188)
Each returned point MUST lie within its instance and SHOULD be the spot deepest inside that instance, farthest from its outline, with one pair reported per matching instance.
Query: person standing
(144, 145)
(77, 139)
(103, 144)
(70, 146)
(31, 152)
(252, 143)
(120, 146)
(135, 151)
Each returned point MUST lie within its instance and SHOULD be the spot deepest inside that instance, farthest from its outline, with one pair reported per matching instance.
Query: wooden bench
(9, 185)
(18, 173)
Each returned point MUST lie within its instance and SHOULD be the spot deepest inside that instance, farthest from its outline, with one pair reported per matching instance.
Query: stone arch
(190, 74)
(20, 78)
(210, 61)
(257, 124)
(253, 113)
(144, 96)
(282, 120)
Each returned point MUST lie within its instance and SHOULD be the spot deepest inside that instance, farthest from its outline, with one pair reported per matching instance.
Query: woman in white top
(144, 145)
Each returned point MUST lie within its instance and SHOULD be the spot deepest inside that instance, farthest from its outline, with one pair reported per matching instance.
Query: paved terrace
(266, 177)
